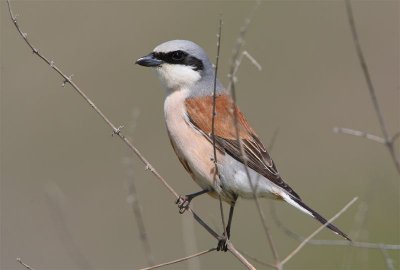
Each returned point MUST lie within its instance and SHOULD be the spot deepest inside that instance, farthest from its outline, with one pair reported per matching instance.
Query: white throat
(175, 77)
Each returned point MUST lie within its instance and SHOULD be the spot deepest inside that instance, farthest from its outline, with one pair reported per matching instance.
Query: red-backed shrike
(188, 77)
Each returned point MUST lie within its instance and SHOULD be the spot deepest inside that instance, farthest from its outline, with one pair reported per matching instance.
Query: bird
(189, 79)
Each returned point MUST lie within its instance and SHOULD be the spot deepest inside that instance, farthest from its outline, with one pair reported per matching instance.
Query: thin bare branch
(221, 208)
(355, 244)
(133, 198)
(257, 260)
(180, 260)
(273, 139)
(357, 228)
(364, 68)
(24, 264)
(252, 60)
(237, 254)
(215, 94)
(389, 261)
(371, 88)
(117, 131)
(395, 136)
(238, 63)
(237, 56)
(231, 87)
(190, 242)
(134, 203)
(302, 244)
(54, 198)
(352, 244)
(359, 133)
(67, 80)
(323, 242)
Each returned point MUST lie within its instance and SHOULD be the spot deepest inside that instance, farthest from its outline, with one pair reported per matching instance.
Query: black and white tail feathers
(306, 209)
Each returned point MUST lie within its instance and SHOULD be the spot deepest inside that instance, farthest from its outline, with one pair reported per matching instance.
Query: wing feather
(199, 112)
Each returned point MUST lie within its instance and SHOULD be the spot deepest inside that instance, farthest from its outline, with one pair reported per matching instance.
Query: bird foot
(183, 203)
(222, 243)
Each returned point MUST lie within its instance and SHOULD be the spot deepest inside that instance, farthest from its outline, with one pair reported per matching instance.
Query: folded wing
(199, 112)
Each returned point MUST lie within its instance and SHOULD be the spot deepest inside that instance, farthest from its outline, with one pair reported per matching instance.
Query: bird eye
(178, 55)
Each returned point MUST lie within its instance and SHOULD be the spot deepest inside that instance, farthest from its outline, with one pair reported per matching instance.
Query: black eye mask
(180, 58)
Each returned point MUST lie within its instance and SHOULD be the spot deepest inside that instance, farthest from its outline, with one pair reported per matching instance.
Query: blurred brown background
(64, 177)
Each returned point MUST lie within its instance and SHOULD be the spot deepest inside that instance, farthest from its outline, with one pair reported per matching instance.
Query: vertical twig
(190, 242)
(371, 89)
(215, 93)
(221, 208)
(54, 197)
(260, 211)
(133, 198)
(360, 219)
(273, 139)
(231, 88)
(134, 203)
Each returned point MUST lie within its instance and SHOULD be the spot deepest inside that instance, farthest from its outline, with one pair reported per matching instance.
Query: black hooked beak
(149, 61)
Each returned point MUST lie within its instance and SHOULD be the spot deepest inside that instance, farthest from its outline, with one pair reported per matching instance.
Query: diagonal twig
(371, 89)
(68, 80)
(389, 261)
(322, 242)
(302, 244)
(257, 260)
(252, 60)
(24, 264)
(179, 260)
(117, 131)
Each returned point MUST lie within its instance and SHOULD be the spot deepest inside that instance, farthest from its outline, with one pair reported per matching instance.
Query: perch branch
(231, 87)
(117, 131)
(215, 160)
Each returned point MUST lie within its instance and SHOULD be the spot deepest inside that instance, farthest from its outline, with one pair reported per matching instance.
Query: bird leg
(184, 201)
(222, 240)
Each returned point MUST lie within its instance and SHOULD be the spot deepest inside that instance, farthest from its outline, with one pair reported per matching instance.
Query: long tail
(304, 208)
